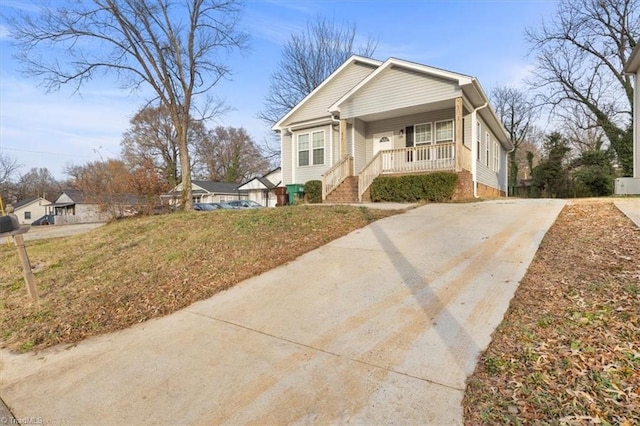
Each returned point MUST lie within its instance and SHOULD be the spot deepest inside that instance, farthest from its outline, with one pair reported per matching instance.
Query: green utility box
(296, 192)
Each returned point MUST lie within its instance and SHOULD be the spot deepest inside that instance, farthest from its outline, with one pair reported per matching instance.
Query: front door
(382, 142)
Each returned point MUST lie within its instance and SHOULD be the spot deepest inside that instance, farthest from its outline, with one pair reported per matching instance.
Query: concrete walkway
(382, 326)
(631, 208)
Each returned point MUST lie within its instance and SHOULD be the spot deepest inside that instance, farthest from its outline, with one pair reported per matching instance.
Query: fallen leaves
(568, 345)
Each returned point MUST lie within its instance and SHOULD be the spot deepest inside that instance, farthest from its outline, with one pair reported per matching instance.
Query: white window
(496, 156)
(444, 131)
(487, 145)
(311, 152)
(423, 134)
(479, 142)
(318, 147)
(303, 149)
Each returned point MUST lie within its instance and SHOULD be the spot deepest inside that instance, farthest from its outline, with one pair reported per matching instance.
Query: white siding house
(31, 209)
(262, 189)
(632, 185)
(370, 118)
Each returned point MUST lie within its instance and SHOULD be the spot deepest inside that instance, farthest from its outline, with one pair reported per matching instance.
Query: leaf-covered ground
(132, 270)
(568, 350)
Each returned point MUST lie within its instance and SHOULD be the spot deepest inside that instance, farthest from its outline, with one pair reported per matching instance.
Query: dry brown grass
(568, 350)
(132, 270)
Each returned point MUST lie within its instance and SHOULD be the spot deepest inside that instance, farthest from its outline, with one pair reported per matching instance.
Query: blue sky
(482, 38)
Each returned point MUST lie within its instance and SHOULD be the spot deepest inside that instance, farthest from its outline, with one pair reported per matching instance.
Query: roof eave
(353, 59)
(633, 63)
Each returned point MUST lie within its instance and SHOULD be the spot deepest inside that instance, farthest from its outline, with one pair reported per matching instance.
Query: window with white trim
(311, 149)
(444, 131)
(423, 134)
(318, 147)
(487, 145)
(496, 156)
(479, 142)
(303, 149)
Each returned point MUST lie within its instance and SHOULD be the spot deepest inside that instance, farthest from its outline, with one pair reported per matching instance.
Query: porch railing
(336, 175)
(423, 158)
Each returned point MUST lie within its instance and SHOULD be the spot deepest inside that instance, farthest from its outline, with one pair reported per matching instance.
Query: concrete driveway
(381, 326)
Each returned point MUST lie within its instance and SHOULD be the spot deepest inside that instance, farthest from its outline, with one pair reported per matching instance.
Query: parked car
(245, 204)
(223, 206)
(205, 207)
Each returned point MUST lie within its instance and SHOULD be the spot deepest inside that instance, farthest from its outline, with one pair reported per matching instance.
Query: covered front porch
(427, 138)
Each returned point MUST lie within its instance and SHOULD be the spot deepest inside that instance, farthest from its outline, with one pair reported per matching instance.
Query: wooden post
(29, 279)
(458, 133)
(343, 138)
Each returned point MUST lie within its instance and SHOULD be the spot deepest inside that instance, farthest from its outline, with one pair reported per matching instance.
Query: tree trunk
(185, 164)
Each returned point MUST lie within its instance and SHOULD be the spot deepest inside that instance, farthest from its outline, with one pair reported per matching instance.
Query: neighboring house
(73, 206)
(632, 185)
(372, 118)
(262, 189)
(30, 209)
(203, 191)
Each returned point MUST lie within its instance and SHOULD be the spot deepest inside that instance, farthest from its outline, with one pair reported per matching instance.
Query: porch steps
(347, 192)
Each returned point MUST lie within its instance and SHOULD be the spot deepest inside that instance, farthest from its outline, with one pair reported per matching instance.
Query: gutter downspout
(474, 148)
(334, 121)
(293, 157)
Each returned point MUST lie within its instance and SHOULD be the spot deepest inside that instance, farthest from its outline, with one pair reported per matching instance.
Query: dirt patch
(57, 231)
(568, 349)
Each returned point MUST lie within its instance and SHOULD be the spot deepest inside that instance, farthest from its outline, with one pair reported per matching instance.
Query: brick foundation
(485, 191)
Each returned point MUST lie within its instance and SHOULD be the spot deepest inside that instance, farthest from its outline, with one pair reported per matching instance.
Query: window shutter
(408, 135)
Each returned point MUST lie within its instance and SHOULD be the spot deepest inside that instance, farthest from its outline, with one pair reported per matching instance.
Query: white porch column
(458, 133)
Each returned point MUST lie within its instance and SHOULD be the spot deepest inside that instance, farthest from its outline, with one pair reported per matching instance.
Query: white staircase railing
(336, 175)
(424, 158)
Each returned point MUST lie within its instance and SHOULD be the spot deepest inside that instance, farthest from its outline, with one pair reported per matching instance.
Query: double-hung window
(318, 147)
(311, 149)
(487, 145)
(303, 149)
(423, 136)
(478, 142)
(444, 134)
(496, 156)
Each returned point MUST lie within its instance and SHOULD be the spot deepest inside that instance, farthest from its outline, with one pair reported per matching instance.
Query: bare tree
(308, 58)
(153, 139)
(581, 130)
(8, 167)
(229, 154)
(517, 113)
(105, 183)
(173, 48)
(580, 58)
(37, 182)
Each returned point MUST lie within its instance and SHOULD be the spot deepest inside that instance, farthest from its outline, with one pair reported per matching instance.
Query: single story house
(631, 185)
(203, 191)
(372, 118)
(262, 189)
(74, 206)
(30, 209)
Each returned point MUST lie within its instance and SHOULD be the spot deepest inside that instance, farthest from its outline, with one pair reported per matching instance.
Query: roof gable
(217, 187)
(72, 195)
(384, 70)
(256, 183)
(314, 105)
(29, 201)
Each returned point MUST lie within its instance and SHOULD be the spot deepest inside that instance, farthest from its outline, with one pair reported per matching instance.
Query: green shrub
(313, 191)
(429, 187)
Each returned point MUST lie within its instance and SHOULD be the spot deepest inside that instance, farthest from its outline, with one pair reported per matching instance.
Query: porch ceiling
(411, 110)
